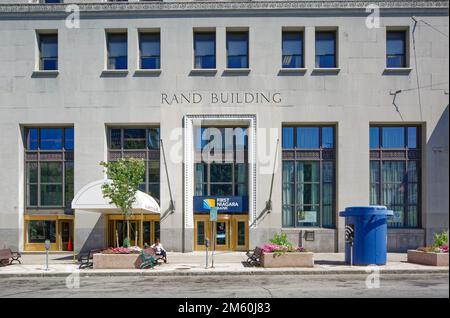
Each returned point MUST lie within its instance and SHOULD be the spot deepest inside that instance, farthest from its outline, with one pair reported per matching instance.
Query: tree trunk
(128, 229)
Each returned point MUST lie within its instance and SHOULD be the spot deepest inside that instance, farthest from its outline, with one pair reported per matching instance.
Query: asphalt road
(304, 286)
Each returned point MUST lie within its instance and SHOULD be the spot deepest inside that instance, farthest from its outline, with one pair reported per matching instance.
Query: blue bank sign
(223, 204)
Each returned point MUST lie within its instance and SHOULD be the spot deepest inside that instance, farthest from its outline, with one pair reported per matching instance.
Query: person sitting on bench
(159, 250)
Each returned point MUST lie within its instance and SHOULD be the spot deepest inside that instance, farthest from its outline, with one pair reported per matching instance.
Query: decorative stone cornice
(138, 7)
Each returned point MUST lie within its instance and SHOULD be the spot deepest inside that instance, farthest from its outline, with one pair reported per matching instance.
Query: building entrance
(230, 232)
(144, 230)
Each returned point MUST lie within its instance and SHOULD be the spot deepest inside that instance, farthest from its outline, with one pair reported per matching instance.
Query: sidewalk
(226, 263)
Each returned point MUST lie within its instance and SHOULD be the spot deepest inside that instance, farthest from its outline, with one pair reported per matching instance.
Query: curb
(151, 273)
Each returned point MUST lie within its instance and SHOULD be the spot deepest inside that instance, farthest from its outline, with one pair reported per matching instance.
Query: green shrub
(281, 240)
(440, 239)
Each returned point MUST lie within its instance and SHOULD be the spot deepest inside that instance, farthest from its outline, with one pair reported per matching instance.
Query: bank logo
(209, 203)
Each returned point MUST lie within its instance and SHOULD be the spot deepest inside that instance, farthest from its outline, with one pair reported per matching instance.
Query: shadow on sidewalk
(325, 262)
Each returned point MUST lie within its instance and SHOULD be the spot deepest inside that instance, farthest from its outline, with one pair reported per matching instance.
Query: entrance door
(240, 231)
(120, 232)
(143, 230)
(222, 233)
(65, 228)
(202, 230)
(230, 232)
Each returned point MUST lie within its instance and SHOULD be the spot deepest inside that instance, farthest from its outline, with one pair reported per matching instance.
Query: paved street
(401, 285)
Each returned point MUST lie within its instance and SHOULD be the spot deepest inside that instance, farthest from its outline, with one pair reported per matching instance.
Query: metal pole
(214, 245)
(46, 259)
(206, 263)
(172, 205)
(351, 254)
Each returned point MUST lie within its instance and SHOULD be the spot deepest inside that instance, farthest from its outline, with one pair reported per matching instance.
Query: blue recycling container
(370, 234)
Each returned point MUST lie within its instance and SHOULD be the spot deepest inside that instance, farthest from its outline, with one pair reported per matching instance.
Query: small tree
(125, 176)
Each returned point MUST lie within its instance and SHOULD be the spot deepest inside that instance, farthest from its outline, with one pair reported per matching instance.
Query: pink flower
(444, 248)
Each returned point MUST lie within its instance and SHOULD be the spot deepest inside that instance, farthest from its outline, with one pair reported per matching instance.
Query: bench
(7, 257)
(86, 260)
(150, 258)
(254, 257)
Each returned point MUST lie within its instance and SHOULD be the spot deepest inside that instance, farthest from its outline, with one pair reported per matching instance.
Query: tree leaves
(126, 175)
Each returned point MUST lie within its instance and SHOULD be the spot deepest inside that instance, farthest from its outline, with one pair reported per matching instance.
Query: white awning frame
(90, 198)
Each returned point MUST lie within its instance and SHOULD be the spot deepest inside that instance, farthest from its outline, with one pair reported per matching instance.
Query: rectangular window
(149, 50)
(237, 49)
(217, 178)
(49, 167)
(205, 50)
(395, 173)
(48, 51)
(117, 50)
(51, 1)
(39, 231)
(396, 49)
(308, 176)
(292, 47)
(140, 143)
(326, 49)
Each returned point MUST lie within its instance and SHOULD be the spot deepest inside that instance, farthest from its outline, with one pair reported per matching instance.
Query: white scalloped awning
(90, 198)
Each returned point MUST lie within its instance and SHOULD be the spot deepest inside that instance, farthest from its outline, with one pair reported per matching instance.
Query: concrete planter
(270, 260)
(117, 261)
(424, 258)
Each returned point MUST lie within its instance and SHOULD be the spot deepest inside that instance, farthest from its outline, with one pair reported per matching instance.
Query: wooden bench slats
(7, 257)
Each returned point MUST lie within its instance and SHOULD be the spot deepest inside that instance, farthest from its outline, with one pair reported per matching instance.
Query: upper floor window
(205, 50)
(51, 1)
(48, 51)
(395, 165)
(237, 49)
(221, 139)
(49, 139)
(396, 49)
(292, 48)
(326, 49)
(117, 50)
(150, 50)
(49, 171)
(141, 143)
(308, 176)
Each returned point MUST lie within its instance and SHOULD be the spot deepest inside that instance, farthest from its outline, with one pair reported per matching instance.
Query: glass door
(202, 230)
(65, 228)
(240, 233)
(222, 235)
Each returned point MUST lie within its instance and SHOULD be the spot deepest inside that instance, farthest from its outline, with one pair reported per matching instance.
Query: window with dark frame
(396, 49)
(227, 176)
(117, 50)
(326, 49)
(308, 176)
(292, 49)
(140, 143)
(49, 167)
(237, 49)
(150, 50)
(48, 51)
(395, 173)
(204, 50)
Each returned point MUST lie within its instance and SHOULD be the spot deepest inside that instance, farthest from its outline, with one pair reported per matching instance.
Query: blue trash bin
(370, 234)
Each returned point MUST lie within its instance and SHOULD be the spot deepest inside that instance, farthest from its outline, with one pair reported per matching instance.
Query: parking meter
(47, 248)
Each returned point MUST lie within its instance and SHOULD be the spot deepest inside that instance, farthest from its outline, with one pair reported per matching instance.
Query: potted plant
(282, 253)
(434, 255)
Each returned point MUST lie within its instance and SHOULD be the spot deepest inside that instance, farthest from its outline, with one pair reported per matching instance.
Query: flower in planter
(444, 248)
(274, 248)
